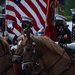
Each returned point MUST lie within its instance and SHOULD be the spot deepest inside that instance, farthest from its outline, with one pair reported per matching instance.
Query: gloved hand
(14, 47)
(6, 33)
(10, 35)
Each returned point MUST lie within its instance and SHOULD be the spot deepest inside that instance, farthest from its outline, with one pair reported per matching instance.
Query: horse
(6, 64)
(44, 53)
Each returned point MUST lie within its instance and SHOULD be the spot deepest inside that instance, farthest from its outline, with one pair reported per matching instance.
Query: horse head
(27, 53)
(41, 55)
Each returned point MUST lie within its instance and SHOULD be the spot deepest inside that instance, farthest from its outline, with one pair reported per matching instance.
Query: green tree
(66, 6)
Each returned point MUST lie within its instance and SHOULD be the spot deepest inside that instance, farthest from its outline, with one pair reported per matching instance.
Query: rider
(11, 38)
(26, 25)
(63, 33)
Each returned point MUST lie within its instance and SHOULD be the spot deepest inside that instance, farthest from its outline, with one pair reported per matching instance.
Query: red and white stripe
(36, 9)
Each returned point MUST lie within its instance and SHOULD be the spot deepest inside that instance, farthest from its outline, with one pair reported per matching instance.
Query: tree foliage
(68, 4)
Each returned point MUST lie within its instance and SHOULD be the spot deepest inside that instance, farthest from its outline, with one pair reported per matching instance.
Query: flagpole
(56, 6)
(5, 37)
(5, 17)
(6, 21)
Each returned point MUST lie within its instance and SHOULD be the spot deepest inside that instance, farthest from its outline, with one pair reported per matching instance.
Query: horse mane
(5, 45)
(47, 44)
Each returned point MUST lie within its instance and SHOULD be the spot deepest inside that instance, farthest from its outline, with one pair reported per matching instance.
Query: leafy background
(66, 5)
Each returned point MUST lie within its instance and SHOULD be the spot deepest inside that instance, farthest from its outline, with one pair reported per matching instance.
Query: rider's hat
(60, 20)
(60, 17)
(28, 20)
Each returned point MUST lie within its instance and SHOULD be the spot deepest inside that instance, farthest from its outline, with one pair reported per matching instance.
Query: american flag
(35, 9)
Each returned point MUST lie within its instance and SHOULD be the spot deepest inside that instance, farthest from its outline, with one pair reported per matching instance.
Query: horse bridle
(45, 70)
(33, 43)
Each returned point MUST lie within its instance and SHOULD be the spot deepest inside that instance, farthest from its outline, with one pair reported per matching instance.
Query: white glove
(65, 45)
(14, 47)
(22, 66)
(10, 35)
(6, 33)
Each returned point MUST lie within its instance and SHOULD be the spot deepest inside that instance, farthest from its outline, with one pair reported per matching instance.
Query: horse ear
(29, 36)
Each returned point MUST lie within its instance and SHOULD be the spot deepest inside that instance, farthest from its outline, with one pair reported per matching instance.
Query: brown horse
(53, 59)
(6, 66)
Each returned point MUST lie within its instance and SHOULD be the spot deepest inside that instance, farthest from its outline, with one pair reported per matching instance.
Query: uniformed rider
(26, 25)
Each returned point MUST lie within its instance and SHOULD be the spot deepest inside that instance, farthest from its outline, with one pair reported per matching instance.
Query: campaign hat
(60, 17)
(28, 20)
